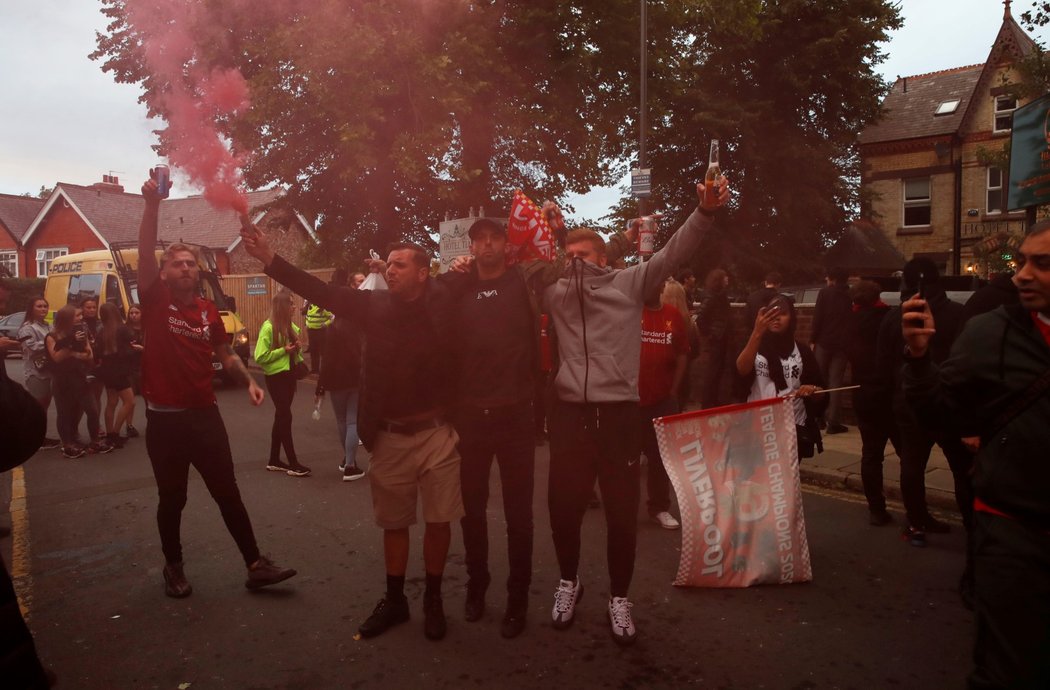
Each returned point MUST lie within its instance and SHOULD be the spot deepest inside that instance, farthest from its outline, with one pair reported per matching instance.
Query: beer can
(163, 177)
(647, 236)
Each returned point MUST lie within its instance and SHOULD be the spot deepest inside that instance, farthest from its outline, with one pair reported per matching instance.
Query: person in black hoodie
(1000, 290)
(872, 401)
(922, 277)
(831, 317)
(341, 376)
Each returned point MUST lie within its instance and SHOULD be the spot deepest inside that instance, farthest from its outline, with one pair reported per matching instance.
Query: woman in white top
(31, 335)
(775, 365)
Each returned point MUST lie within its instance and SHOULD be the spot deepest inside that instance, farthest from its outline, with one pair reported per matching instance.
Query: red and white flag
(528, 234)
(735, 472)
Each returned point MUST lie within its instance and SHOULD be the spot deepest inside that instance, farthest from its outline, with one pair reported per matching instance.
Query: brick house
(16, 215)
(925, 188)
(75, 218)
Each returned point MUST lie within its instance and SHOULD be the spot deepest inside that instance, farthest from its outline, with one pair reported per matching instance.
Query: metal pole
(643, 91)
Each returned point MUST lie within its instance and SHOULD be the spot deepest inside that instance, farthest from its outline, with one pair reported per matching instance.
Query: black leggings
(74, 399)
(282, 392)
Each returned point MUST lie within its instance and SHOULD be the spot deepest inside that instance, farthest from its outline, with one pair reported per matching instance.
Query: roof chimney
(1006, 10)
(109, 183)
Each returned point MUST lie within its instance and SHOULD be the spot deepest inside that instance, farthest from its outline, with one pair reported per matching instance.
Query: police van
(112, 276)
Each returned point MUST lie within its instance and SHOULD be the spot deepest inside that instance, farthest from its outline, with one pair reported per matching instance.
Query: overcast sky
(63, 120)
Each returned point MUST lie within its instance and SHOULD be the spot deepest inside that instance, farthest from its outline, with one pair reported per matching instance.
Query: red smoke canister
(163, 177)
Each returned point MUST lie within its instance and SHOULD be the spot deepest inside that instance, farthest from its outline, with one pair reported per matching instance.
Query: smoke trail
(195, 95)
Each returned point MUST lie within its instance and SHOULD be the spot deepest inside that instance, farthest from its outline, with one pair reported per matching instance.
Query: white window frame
(947, 107)
(10, 256)
(44, 257)
(989, 188)
(907, 203)
(999, 111)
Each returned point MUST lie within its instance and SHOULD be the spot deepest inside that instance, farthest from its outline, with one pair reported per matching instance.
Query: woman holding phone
(32, 336)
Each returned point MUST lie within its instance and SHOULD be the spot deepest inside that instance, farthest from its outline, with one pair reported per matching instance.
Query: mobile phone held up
(920, 292)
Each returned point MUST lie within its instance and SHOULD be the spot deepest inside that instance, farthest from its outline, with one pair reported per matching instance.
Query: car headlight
(241, 338)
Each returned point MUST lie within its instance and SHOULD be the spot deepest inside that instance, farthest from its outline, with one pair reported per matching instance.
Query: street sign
(256, 285)
(641, 183)
(1030, 156)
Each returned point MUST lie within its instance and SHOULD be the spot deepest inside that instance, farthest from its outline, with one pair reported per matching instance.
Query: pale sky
(63, 120)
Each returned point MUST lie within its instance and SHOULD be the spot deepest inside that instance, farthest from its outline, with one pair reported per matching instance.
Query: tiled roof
(864, 246)
(908, 110)
(17, 212)
(116, 216)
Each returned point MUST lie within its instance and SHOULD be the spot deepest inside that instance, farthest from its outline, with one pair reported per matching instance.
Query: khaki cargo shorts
(406, 465)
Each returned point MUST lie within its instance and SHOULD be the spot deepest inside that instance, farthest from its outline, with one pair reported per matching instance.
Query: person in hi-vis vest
(317, 320)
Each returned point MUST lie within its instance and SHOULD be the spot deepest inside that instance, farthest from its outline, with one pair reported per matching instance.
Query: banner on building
(735, 472)
(528, 234)
(1030, 156)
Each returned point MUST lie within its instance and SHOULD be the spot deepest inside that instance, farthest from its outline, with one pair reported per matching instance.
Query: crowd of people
(436, 377)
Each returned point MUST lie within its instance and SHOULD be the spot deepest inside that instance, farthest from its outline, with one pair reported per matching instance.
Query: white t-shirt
(763, 387)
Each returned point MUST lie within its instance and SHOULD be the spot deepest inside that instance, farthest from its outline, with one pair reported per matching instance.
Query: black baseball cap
(486, 223)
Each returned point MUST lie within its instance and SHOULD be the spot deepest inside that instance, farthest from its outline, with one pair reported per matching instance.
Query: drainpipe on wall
(957, 235)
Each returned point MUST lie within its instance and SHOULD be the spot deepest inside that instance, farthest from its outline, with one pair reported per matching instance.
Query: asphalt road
(879, 614)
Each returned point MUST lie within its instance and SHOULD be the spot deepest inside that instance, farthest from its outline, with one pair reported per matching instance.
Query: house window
(9, 263)
(44, 257)
(1004, 111)
(917, 202)
(995, 191)
(947, 107)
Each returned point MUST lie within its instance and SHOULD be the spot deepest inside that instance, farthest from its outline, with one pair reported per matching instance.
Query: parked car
(9, 326)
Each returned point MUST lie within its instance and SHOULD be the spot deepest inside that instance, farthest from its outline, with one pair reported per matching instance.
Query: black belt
(413, 427)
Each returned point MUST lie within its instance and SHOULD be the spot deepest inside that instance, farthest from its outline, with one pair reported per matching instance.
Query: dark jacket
(994, 360)
(713, 318)
(831, 317)
(390, 347)
(1001, 290)
(341, 360)
(876, 387)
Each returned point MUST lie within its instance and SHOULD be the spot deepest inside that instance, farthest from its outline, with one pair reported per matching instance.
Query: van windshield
(82, 286)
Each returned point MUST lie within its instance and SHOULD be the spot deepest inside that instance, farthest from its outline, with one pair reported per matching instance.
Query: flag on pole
(528, 234)
(735, 472)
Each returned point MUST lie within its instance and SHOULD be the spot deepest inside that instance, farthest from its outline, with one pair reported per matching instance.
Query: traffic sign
(641, 183)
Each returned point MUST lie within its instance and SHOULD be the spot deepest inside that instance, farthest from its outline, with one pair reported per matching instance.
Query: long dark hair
(779, 346)
(31, 308)
(64, 318)
(111, 318)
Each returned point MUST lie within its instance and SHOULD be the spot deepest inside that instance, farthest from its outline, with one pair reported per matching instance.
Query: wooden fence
(254, 294)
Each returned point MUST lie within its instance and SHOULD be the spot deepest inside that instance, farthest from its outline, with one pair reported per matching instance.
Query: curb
(851, 481)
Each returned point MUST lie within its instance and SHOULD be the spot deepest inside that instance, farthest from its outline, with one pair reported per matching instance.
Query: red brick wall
(62, 227)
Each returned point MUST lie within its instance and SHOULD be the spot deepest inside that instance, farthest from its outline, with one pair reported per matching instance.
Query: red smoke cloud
(196, 97)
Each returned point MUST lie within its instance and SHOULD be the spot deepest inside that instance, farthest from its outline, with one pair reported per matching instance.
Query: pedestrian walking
(114, 370)
(873, 401)
(406, 399)
(674, 294)
(774, 365)
(93, 328)
(317, 320)
(183, 332)
(994, 384)
(828, 338)
(713, 319)
(341, 378)
(134, 324)
(32, 336)
(279, 353)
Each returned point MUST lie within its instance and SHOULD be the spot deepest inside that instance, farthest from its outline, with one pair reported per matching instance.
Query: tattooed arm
(236, 370)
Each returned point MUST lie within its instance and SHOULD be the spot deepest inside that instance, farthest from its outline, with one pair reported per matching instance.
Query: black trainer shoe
(351, 473)
(914, 536)
(434, 625)
(474, 607)
(50, 443)
(175, 583)
(514, 619)
(878, 518)
(99, 448)
(73, 452)
(297, 470)
(836, 429)
(132, 432)
(277, 466)
(265, 572)
(387, 613)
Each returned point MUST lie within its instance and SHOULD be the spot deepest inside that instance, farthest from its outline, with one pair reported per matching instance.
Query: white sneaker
(623, 630)
(666, 520)
(565, 599)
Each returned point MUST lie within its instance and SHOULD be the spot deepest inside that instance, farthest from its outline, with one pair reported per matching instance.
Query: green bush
(23, 290)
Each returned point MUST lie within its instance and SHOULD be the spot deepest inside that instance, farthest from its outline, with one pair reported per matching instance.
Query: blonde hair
(172, 249)
(674, 294)
(281, 316)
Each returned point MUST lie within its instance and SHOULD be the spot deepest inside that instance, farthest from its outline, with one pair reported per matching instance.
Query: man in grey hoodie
(597, 313)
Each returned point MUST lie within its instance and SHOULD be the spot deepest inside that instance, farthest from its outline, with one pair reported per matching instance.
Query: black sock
(433, 585)
(395, 586)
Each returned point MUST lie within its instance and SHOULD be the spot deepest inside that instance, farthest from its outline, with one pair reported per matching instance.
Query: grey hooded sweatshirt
(597, 315)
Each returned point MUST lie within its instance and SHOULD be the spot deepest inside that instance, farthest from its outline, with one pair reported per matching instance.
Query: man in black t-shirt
(498, 334)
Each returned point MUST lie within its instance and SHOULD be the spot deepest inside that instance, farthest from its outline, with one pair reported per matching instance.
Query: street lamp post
(642, 105)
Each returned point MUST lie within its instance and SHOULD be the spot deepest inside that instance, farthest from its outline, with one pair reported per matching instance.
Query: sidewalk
(839, 467)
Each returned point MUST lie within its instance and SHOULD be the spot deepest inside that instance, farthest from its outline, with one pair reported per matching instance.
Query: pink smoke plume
(195, 95)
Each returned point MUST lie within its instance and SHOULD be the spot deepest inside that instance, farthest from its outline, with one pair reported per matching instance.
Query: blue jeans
(344, 405)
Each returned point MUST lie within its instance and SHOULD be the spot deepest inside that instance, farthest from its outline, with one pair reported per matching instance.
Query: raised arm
(148, 269)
